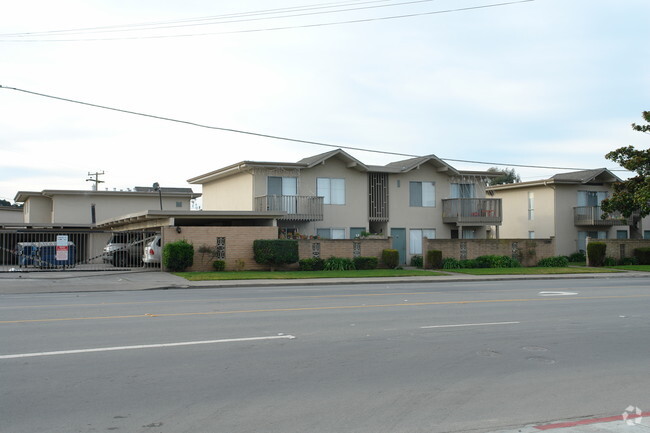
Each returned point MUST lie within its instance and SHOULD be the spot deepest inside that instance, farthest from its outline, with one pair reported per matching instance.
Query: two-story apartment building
(334, 195)
(566, 206)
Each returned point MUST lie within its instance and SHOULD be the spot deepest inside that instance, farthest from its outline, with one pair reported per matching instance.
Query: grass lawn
(289, 275)
(532, 271)
(642, 268)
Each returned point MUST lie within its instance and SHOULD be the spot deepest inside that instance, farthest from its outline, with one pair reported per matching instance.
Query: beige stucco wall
(11, 215)
(76, 209)
(231, 193)
(38, 210)
(515, 212)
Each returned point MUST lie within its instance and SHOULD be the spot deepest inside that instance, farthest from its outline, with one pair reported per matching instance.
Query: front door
(399, 243)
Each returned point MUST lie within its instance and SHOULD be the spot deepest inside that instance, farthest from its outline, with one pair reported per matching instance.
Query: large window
(282, 185)
(422, 194)
(332, 190)
(463, 190)
(415, 239)
(331, 233)
(591, 198)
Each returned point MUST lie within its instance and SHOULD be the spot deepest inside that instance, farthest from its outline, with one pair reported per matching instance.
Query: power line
(302, 26)
(277, 137)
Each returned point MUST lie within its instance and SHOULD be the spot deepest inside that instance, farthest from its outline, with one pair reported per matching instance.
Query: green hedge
(434, 259)
(596, 253)
(642, 255)
(554, 262)
(481, 262)
(275, 252)
(390, 258)
(339, 264)
(417, 261)
(312, 264)
(219, 265)
(362, 263)
(178, 256)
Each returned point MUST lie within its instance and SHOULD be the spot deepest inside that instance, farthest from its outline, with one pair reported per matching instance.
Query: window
(332, 190)
(422, 194)
(531, 234)
(591, 198)
(469, 234)
(531, 206)
(330, 233)
(415, 239)
(582, 238)
(463, 190)
(621, 234)
(646, 234)
(282, 185)
(179, 204)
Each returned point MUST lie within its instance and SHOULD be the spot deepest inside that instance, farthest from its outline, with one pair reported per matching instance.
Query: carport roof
(162, 218)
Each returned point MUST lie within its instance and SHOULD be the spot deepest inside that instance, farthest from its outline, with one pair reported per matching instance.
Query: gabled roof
(407, 165)
(580, 177)
(311, 161)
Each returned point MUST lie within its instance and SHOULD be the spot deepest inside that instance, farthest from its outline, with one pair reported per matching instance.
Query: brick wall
(527, 251)
(620, 248)
(327, 248)
(238, 247)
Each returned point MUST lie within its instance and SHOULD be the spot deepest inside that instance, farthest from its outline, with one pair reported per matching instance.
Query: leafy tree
(507, 175)
(4, 202)
(631, 197)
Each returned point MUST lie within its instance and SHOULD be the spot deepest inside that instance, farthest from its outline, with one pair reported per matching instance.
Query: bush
(219, 265)
(450, 263)
(496, 262)
(362, 263)
(275, 252)
(642, 255)
(554, 262)
(609, 261)
(390, 258)
(596, 253)
(627, 261)
(434, 259)
(312, 264)
(339, 264)
(178, 256)
(577, 257)
(417, 261)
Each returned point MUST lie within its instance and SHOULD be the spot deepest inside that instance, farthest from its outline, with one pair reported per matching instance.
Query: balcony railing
(472, 211)
(592, 216)
(297, 207)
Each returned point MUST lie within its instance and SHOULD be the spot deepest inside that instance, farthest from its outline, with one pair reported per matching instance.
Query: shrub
(275, 252)
(609, 261)
(434, 259)
(178, 256)
(596, 253)
(365, 262)
(496, 262)
(312, 264)
(338, 264)
(577, 257)
(642, 255)
(390, 258)
(626, 261)
(417, 261)
(450, 263)
(554, 262)
(219, 265)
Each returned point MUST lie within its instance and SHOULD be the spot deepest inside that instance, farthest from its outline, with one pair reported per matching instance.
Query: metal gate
(26, 250)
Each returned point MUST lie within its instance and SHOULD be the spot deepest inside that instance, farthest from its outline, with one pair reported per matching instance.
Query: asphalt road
(452, 357)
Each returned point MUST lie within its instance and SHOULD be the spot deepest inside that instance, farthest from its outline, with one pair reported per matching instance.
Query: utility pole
(96, 179)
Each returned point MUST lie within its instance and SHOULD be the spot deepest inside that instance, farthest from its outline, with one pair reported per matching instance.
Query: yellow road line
(341, 307)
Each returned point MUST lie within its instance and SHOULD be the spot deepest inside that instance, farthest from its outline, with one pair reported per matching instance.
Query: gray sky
(544, 82)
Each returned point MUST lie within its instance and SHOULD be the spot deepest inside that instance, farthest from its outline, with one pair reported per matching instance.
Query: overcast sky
(545, 82)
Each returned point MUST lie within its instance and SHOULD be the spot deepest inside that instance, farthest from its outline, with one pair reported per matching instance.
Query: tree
(505, 176)
(4, 202)
(631, 197)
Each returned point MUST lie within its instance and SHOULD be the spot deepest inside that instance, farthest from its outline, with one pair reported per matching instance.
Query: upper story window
(332, 190)
(282, 185)
(463, 190)
(591, 198)
(422, 194)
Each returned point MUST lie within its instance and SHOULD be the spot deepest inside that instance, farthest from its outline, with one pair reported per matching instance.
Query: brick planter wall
(527, 251)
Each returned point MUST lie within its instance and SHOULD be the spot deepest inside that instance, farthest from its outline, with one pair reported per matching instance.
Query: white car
(153, 251)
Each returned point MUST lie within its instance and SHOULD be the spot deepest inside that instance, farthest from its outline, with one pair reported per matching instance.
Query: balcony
(297, 207)
(472, 211)
(591, 216)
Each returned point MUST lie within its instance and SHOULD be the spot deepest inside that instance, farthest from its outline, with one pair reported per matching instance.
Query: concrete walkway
(65, 282)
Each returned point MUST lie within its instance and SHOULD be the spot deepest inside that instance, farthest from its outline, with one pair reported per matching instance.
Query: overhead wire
(277, 137)
(288, 27)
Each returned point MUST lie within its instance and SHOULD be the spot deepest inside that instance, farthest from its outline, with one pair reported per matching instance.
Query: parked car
(124, 249)
(153, 251)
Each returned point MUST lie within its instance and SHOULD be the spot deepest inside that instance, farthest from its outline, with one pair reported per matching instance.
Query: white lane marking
(145, 346)
(557, 293)
(468, 324)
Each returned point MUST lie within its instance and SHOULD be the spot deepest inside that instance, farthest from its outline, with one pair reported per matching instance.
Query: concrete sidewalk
(633, 422)
(66, 282)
